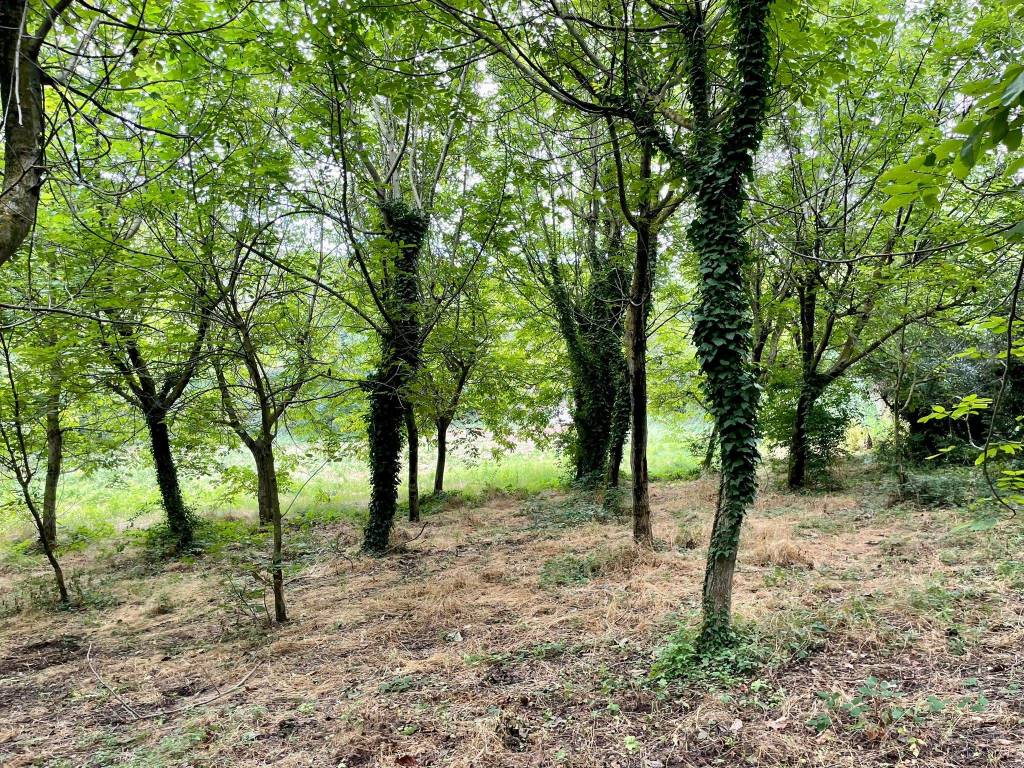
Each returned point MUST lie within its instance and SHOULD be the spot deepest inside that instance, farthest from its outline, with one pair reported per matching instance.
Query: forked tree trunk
(178, 518)
(269, 500)
(413, 435)
(442, 454)
(636, 355)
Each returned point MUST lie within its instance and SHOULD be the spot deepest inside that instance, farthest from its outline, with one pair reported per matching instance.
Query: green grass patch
(566, 570)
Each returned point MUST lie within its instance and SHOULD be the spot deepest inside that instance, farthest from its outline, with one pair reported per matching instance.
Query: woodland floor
(515, 632)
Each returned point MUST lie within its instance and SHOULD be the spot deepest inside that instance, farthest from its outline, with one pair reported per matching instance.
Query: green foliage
(740, 655)
(827, 426)
(939, 488)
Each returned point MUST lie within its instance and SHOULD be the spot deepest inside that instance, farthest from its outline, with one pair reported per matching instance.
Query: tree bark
(442, 454)
(269, 501)
(58, 572)
(709, 452)
(621, 415)
(798, 442)
(639, 309)
(717, 166)
(178, 519)
(54, 460)
(413, 435)
(23, 112)
(400, 358)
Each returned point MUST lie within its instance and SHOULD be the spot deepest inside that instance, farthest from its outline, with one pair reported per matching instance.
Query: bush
(744, 656)
(938, 489)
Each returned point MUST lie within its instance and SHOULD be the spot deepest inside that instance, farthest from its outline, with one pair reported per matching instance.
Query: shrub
(936, 489)
(680, 659)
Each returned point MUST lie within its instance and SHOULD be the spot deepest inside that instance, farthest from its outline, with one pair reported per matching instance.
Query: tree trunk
(442, 454)
(400, 359)
(23, 126)
(592, 422)
(709, 452)
(58, 573)
(412, 433)
(269, 501)
(798, 442)
(636, 357)
(385, 432)
(620, 427)
(179, 520)
(54, 459)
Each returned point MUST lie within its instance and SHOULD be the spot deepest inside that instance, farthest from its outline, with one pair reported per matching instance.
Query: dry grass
(457, 651)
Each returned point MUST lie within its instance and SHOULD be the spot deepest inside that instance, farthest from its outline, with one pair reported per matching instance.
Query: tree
(573, 248)
(269, 324)
(653, 209)
(24, 408)
(390, 142)
(454, 352)
(23, 30)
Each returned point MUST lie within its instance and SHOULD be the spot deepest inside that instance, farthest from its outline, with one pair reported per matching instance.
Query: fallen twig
(164, 712)
(177, 710)
(88, 658)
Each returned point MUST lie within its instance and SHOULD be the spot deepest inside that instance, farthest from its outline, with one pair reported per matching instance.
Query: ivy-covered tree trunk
(592, 329)
(592, 424)
(413, 435)
(179, 521)
(400, 358)
(721, 161)
(620, 426)
(442, 454)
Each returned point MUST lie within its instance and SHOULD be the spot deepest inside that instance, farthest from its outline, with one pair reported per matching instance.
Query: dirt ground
(519, 633)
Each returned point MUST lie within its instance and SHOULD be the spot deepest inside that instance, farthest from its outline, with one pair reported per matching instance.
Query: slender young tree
(646, 220)
(269, 324)
(23, 413)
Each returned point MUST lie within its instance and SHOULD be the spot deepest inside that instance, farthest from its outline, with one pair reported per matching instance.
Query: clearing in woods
(521, 632)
